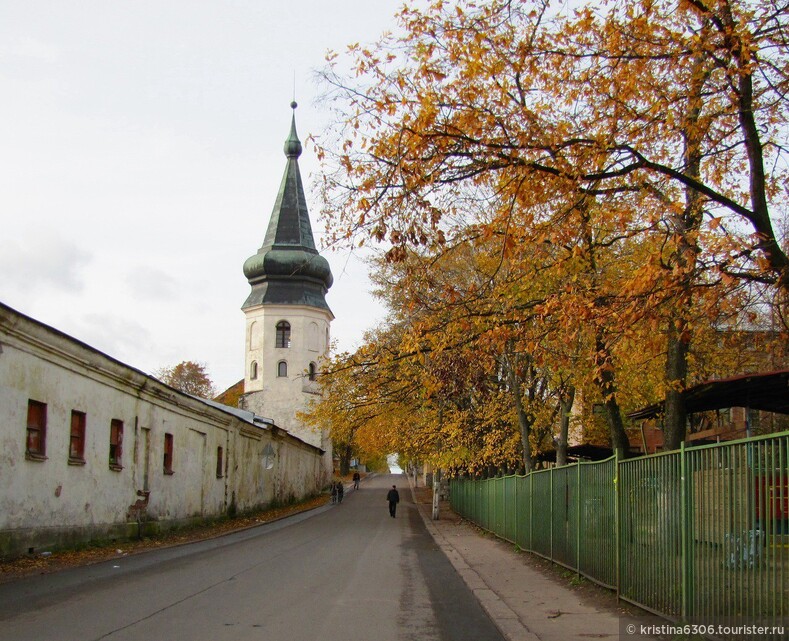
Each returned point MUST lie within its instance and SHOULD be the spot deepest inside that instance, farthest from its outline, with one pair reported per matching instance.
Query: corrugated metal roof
(768, 391)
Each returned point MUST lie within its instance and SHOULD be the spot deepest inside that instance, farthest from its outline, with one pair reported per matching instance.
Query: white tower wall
(269, 394)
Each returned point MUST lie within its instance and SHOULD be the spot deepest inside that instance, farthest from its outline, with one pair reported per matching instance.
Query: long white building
(91, 448)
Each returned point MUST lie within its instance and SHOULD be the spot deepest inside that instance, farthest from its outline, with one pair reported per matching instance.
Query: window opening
(36, 429)
(116, 443)
(76, 450)
(220, 467)
(168, 453)
(283, 334)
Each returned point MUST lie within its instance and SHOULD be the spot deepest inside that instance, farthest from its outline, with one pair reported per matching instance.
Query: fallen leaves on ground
(45, 562)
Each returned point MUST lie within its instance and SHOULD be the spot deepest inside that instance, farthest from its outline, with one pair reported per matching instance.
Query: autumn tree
(362, 398)
(620, 130)
(487, 364)
(189, 377)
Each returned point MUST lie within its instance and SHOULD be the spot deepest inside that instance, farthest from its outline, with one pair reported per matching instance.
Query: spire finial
(293, 144)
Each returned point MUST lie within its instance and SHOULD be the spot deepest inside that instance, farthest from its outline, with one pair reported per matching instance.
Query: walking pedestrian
(340, 491)
(333, 492)
(394, 498)
(356, 478)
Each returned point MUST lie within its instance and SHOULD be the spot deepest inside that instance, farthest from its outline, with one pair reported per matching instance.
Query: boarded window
(282, 369)
(116, 443)
(76, 450)
(36, 429)
(283, 334)
(220, 463)
(254, 335)
(168, 453)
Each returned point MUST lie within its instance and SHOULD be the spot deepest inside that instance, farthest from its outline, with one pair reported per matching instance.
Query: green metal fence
(699, 534)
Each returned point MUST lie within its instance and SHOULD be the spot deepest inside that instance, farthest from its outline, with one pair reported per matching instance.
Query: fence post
(550, 509)
(617, 524)
(685, 530)
(531, 509)
(515, 510)
(578, 497)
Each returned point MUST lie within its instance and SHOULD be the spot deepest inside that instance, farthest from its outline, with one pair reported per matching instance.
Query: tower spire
(293, 144)
(287, 268)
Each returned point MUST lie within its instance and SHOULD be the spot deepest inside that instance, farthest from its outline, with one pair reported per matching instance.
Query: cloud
(30, 48)
(114, 335)
(148, 283)
(44, 261)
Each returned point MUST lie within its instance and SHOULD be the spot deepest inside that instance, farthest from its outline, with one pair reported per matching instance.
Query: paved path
(344, 572)
(525, 603)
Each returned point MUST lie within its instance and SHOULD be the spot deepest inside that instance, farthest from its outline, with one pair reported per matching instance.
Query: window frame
(116, 444)
(283, 330)
(167, 461)
(282, 369)
(36, 431)
(76, 455)
(220, 462)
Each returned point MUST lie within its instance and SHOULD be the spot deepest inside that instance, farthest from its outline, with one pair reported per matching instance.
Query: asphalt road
(338, 573)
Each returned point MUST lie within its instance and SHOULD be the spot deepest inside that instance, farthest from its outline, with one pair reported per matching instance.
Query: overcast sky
(140, 155)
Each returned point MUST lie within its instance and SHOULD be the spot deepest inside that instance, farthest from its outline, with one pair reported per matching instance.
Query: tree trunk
(675, 417)
(603, 359)
(684, 261)
(566, 404)
(524, 420)
(346, 453)
(605, 381)
(760, 218)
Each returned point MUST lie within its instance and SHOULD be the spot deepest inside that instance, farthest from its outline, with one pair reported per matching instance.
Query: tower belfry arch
(287, 317)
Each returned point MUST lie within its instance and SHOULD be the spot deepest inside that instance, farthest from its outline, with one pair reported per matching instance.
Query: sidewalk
(525, 603)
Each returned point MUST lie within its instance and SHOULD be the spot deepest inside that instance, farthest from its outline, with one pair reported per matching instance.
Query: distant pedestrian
(394, 498)
(340, 491)
(333, 492)
(356, 478)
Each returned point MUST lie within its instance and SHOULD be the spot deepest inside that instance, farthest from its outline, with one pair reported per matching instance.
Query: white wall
(281, 398)
(54, 501)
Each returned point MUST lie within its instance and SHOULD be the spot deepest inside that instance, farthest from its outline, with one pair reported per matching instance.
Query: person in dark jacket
(356, 478)
(394, 498)
(340, 491)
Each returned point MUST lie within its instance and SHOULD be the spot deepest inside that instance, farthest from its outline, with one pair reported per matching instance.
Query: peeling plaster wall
(53, 501)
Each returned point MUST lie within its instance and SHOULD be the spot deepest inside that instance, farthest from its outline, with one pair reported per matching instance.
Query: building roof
(244, 415)
(287, 269)
(15, 322)
(768, 391)
(231, 395)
